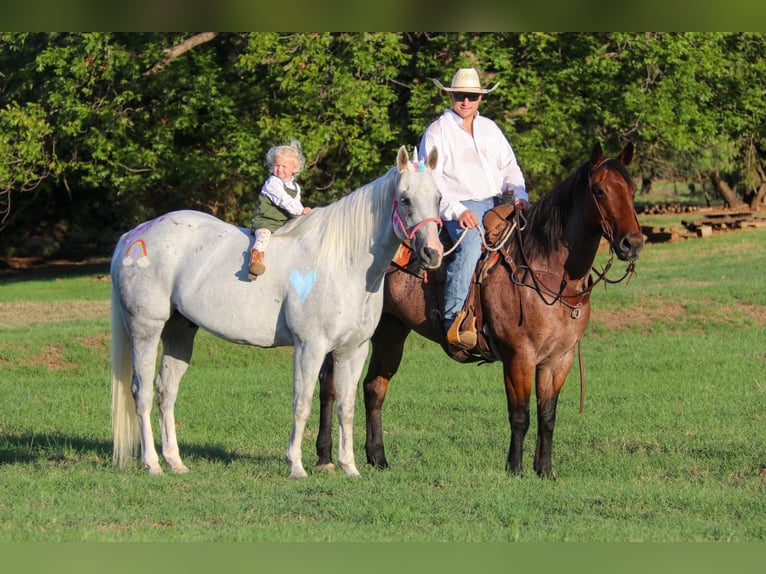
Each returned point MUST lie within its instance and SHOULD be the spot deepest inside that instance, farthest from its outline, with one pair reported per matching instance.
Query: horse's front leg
(387, 349)
(348, 365)
(326, 406)
(307, 362)
(550, 380)
(518, 388)
(546, 421)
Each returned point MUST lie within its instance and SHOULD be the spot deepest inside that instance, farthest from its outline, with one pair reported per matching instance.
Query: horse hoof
(153, 470)
(180, 470)
(351, 470)
(514, 471)
(327, 467)
(298, 473)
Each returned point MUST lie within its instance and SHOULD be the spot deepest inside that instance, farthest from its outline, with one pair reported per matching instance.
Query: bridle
(557, 296)
(400, 229)
(606, 231)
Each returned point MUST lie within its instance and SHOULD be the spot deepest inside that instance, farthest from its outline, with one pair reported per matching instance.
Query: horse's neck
(571, 255)
(581, 248)
(384, 247)
(356, 233)
(385, 242)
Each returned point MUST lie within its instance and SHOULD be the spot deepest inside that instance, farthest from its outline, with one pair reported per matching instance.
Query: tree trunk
(759, 197)
(723, 189)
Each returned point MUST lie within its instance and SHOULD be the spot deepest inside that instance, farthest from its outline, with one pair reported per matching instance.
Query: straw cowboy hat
(465, 80)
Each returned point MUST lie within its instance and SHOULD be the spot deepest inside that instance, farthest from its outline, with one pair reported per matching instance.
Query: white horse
(321, 294)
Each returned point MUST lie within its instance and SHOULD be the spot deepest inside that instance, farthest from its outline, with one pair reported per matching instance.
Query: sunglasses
(460, 96)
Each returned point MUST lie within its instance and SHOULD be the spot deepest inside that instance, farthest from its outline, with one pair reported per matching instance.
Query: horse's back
(171, 230)
(158, 264)
(520, 317)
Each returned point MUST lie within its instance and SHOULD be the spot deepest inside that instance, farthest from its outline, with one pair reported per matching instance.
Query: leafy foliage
(99, 131)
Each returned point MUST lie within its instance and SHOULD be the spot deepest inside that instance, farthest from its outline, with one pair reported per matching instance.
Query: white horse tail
(124, 419)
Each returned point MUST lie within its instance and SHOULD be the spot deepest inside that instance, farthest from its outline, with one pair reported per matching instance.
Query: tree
(99, 131)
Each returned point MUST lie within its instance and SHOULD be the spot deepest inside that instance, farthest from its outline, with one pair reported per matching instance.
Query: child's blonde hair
(291, 150)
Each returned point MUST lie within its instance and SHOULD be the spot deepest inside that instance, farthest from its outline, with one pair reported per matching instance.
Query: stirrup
(463, 338)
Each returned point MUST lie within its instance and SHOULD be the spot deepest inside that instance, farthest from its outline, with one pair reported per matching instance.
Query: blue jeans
(460, 269)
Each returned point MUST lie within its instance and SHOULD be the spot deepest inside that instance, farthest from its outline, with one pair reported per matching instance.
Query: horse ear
(626, 155)
(597, 154)
(432, 158)
(402, 159)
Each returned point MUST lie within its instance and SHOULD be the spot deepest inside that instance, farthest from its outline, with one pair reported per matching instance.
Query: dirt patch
(52, 357)
(19, 314)
(649, 311)
(635, 316)
(102, 340)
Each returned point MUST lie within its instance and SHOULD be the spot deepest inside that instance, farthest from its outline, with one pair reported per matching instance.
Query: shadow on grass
(60, 448)
(36, 268)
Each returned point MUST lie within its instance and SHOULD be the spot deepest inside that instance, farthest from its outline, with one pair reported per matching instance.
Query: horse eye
(406, 201)
(598, 191)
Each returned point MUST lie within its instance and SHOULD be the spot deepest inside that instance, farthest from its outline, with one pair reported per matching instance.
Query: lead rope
(582, 375)
(498, 244)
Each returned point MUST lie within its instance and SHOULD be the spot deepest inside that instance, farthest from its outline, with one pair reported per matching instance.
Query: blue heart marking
(302, 283)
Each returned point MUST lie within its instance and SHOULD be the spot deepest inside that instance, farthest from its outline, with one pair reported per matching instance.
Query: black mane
(547, 218)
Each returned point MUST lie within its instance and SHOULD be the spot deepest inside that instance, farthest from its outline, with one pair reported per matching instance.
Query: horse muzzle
(428, 246)
(430, 257)
(629, 246)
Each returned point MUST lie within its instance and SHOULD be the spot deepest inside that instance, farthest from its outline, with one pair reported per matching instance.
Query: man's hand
(468, 219)
(521, 204)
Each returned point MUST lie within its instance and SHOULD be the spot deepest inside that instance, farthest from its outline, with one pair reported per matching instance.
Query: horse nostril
(630, 246)
(430, 257)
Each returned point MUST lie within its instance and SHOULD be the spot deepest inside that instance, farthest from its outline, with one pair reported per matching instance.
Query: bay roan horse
(535, 305)
(322, 293)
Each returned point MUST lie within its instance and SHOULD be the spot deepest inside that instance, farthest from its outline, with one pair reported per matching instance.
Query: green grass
(669, 448)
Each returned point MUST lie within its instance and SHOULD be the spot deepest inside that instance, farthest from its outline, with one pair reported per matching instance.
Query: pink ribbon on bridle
(398, 222)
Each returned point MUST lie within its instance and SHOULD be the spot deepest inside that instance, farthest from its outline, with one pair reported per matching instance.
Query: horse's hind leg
(144, 352)
(177, 346)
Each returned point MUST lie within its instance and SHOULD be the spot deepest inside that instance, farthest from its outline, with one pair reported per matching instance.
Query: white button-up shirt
(471, 168)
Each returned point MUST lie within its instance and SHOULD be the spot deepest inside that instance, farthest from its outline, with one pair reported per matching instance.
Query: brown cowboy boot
(256, 264)
(462, 333)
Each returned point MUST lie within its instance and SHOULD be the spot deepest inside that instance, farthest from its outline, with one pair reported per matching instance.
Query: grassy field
(670, 447)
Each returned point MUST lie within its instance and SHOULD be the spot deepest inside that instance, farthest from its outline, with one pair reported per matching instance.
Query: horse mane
(345, 229)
